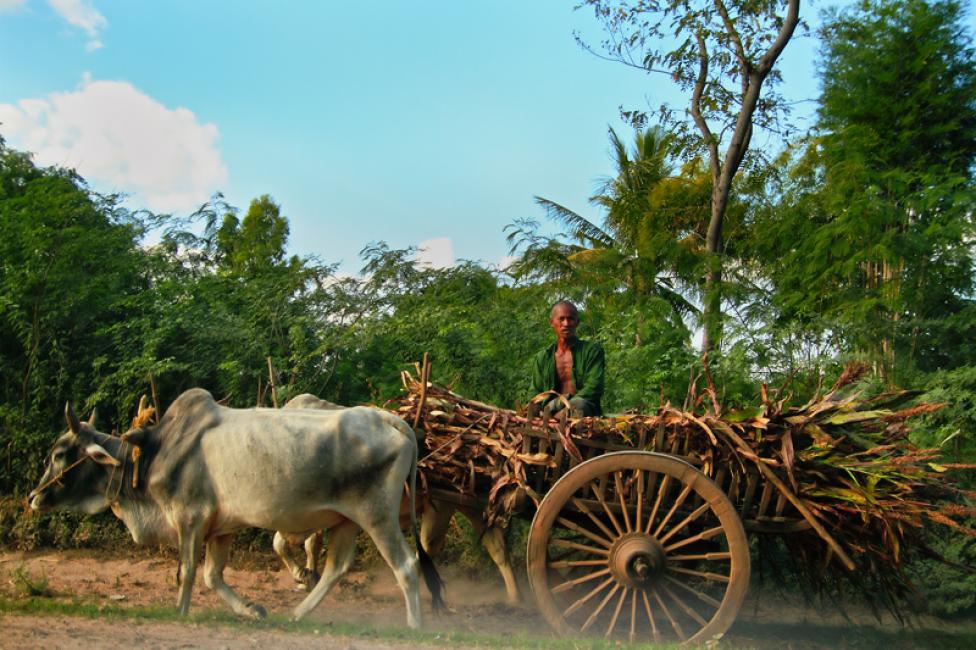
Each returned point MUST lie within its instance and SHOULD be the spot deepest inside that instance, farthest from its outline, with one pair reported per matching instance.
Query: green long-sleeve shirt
(588, 370)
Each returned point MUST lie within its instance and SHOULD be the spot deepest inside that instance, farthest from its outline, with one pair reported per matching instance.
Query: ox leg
(308, 576)
(342, 549)
(493, 539)
(313, 551)
(280, 545)
(393, 546)
(218, 550)
(434, 525)
(191, 545)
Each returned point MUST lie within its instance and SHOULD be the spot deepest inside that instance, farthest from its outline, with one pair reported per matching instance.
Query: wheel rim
(638, 546)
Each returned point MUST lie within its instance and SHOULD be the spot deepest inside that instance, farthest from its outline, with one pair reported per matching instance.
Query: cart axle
(637, 559)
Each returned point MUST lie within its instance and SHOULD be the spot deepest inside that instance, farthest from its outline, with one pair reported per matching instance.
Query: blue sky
(409, 122)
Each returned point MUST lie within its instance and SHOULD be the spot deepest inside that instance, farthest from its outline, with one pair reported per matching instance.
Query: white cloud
(80, 14)
(437, 253)
(10, 5)
(83, 15)
(121, 139)
(506, 261)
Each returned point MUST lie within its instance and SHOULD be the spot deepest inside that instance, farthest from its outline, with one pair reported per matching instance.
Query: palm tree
(615, 254)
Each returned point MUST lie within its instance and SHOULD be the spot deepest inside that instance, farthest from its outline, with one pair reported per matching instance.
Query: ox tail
(435, 585)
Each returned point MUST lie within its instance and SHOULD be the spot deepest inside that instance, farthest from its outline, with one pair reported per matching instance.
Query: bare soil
(369, 599)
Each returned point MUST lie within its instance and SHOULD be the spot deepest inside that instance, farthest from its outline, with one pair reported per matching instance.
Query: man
(571, 367)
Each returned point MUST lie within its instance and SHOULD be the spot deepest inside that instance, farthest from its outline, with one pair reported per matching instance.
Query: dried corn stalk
(842, 461)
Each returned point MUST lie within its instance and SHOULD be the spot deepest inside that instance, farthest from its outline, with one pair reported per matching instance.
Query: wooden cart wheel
(638, 546)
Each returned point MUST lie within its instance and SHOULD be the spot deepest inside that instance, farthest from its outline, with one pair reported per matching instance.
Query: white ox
(206, 471)
(435, 521)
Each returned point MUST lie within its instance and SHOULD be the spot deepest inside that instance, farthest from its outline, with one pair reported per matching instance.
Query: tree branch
(740, 51)
(785, 34)
(743, 126)
(696, 112)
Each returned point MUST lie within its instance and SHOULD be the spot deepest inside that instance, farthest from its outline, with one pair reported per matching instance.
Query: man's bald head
(564, 318)
(564, 304)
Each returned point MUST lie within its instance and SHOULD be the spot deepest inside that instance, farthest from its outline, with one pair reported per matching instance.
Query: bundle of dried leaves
(837, 477)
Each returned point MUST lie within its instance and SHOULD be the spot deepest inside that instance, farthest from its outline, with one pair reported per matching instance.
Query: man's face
(564, 320)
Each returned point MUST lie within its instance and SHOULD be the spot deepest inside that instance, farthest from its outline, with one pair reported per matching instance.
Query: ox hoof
(309, 579)
(253, 610)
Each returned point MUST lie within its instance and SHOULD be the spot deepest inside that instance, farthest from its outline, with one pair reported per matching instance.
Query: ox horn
(135, 437)
(69, 414)
(144, 414)
(92, 418)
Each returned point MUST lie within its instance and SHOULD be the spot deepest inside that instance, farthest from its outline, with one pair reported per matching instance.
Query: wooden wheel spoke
(702, 509)
(677, 504)
(705, 534)
(599, 608)
(640, 500)
(589, 513)
(707, 575)
(565, 543)
(576, 528)
(569, 584)
(633, 616)
(568, 564)
(687, 609)
(705, 598)
(655, 634)
(699, 557)
(665, 484)
(606, 509)
(582, 601)
(618, 483)
(616, 613)
(675, 625)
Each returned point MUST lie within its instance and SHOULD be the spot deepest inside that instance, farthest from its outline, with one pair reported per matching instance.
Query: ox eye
(58, 456)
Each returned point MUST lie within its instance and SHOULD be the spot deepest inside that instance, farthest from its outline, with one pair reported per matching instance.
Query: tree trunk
(723, 171)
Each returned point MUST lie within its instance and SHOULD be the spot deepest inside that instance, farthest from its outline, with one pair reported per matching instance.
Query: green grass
(27, 585)
(48, 607)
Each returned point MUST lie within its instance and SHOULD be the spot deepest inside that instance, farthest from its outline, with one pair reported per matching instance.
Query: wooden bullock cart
(637, 540)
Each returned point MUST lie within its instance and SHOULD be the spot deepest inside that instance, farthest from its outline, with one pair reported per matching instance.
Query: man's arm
(539, 374)
(594, 367)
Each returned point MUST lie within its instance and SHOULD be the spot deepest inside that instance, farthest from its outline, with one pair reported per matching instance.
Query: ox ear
(135, 437)
(73, 423)
(100, 455)
(92, 418)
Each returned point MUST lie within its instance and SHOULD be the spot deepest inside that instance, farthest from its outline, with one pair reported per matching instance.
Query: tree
(256, 243)
(874, 227)
(626, 250)
(68, 261)
(722, 52)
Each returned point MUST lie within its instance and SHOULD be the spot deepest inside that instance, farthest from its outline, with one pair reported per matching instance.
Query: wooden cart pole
(424, 378)
(155, 397)
(273, 383)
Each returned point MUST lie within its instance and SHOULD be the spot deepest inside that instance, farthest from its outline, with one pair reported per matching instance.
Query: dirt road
(365, 600)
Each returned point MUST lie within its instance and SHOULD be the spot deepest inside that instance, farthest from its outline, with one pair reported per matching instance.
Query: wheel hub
(636, 560)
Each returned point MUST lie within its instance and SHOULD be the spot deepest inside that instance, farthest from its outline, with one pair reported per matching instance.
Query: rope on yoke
(136, 452)
(60, 475)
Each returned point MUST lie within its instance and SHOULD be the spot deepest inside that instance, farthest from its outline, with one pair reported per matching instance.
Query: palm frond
(581, 229)
(596, 256)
